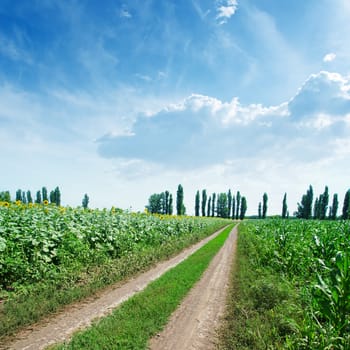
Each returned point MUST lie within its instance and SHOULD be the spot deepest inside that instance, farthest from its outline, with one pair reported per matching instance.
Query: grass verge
(132, 324)
(261, 304)
(30, 305)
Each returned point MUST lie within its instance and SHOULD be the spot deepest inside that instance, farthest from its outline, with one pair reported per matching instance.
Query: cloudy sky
(122, 99)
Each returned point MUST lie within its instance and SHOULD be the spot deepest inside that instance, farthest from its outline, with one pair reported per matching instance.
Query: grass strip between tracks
(138, 319)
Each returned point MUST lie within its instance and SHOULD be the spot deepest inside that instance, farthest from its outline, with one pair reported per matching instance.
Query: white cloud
(329, 57)
(226, 10)
(200, 131)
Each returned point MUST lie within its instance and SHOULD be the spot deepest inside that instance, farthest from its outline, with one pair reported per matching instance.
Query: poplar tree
(24, 198)
(335, 205)
(52, 197)
(316, 209)
(204, 201)
(305, 206)
(238, 202)
(180, 207)
(284, 206)
(196, 207)
(259, 210)
(19, 195)
(346, 206)
(213, 204)
(209, 207)
(243, 208)
(44, 194)
(264, 208)
(29, 197)
(167, 211)
(170, 204)
(229, 203)
(222, 208)
(38, 197)
(233, 207)
(323, 202)
(85, 201)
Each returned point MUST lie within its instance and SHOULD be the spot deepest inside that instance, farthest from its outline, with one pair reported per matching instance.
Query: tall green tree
(264, 208)
(335, 205)
(38, 197)
(155, 205)
(85, 201)
(170, 204)
(305, 206)
(346, 206)
(259, 210)
(19, 195)
(167, 211)
(5, 196)
(229, 203)
(29, 197)
(24, 197)
(44, 194)
(58, 196)
(284, 206)
(238, 203)
(52, 197)
(316, 209)
(243, 208)
(180, 207)
(233, 207)
(204, 201)
(222, 208)
(323, 202)
(209, 206)
(197, 204)
(213, 204)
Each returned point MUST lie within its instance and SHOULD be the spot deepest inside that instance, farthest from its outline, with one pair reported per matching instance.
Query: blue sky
(128, 98)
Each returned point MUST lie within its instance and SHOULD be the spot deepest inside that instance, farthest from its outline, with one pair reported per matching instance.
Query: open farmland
(292, 286)
(52, 255)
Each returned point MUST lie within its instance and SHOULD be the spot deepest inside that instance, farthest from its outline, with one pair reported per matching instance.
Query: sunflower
(18, 202)
(6, 204)
(45, 202)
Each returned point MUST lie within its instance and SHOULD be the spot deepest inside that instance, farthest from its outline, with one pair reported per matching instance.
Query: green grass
(132, 324)
(31, 304)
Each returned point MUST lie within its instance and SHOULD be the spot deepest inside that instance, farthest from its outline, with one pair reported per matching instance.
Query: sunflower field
(43, 241)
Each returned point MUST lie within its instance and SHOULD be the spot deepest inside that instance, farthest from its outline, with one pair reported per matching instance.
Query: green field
(291, 286)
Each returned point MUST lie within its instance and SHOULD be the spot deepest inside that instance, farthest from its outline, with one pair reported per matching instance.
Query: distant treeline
(223, 205)
(41, 196)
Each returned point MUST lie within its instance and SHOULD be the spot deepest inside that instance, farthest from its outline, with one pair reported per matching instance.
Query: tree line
(162, 203)
(224, 204)
(41, 196)
(320, 208)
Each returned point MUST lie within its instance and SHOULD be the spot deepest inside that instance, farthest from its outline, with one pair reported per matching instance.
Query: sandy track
(80, 315)
(194, 323)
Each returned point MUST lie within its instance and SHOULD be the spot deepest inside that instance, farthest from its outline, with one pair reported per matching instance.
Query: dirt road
(61, 326)
(194, 323)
